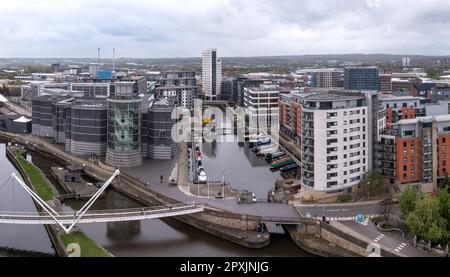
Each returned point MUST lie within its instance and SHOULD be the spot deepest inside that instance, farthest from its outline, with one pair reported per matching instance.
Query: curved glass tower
(124, 126)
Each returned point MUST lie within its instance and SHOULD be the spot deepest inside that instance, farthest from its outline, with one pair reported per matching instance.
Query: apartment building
(334, 143)
(211, 74)
(417, 151)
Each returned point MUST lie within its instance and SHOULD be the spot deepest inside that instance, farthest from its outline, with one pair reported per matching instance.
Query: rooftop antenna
(114, 59)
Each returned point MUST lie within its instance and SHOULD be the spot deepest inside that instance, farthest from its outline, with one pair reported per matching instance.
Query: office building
(92, 90)
(361, 78)
(45, 115)
(211, 74)
(85, 127)
(124, 125)
(261, 103)
(157, 126)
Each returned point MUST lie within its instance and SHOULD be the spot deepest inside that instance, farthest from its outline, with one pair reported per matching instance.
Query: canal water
(14, 198)
(238, 165)
(150, 238)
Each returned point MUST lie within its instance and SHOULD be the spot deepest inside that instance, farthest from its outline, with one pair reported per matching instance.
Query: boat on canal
(277, 166)
(268, 149)
(260, 141)
(289, 167)
(276, 155)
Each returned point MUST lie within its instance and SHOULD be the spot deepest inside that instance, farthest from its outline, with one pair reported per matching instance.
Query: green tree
(443, 199)
(426, 221)
(372, 184)
(408, 200)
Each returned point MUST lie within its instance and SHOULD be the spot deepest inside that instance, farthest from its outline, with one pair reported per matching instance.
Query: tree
(426, 221)
(372, 184)
(408, 200)
(443, 198)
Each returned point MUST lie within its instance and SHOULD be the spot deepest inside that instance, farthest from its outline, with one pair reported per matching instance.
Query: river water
(150, 238)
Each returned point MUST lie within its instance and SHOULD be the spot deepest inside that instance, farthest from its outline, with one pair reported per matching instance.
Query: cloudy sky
(182, 28)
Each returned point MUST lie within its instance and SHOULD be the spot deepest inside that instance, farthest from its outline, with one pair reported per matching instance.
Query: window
(332, 184)
(331, 175)
(412, 144)
(413, 151)
(405, 152)
(405, 160)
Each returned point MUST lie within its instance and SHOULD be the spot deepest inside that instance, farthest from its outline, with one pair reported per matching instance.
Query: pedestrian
(162, 177)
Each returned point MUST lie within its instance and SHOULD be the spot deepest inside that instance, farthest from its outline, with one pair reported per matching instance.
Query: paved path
(392, 241)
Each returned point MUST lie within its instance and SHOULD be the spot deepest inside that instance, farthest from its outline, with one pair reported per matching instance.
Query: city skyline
(150, 29)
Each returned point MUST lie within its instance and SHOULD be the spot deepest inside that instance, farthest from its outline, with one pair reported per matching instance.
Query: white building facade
(262, 105)
(335, 142)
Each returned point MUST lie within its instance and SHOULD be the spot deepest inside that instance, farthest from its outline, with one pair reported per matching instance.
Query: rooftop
(334, 96)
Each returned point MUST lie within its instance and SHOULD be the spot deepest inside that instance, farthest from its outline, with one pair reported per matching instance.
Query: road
(392, 241)
(18, 109)
(343, 211)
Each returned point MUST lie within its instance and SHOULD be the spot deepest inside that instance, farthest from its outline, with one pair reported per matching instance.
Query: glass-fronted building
(361, 78)
(124, 126)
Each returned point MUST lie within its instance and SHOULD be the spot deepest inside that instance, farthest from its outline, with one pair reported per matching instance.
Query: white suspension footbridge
(68, 220)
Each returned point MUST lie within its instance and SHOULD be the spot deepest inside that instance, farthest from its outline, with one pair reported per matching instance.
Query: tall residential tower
(211, 74)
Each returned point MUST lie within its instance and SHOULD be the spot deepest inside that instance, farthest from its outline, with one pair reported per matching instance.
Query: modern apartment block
(124, 126)
(180, 84)
(334, 143)
(416, 151)
(290, 109)
(385, 83)
(400, 107)
(261, 103)
(361, 78)
(327, 78)
(211, 74)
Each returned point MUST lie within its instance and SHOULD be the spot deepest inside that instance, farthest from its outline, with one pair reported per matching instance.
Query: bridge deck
(102, 216)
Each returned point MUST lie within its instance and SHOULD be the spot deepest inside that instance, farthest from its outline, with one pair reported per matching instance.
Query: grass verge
(40, 184)
(88, 247)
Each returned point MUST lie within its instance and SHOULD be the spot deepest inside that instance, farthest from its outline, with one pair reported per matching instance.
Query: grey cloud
(155, 28)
